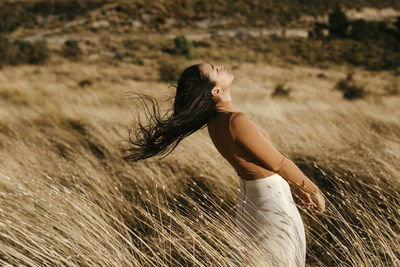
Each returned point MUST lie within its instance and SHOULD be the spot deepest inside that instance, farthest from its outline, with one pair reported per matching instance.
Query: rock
(136, 24)
(170, 22)
(203, 24)
(101, 24)
(146, 17)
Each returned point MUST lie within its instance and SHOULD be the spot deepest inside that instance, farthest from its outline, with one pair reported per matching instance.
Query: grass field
(67, 198)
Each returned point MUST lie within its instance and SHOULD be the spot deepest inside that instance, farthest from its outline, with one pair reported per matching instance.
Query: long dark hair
(193, 107)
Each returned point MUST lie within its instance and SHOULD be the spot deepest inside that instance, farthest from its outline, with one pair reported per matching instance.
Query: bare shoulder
(239, 123)
(237, 117)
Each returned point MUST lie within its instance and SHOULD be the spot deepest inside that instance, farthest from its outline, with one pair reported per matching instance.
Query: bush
(397, 24)
(68, 9)
(35, 53)
(20, 52)
(350, 89)
(183, 46)
(338, 23)
(354, 92)
(201, 44)
(14, 15)
(72, 50)
(4, 47)
(360, 30)
(129, 44)
(281, 91)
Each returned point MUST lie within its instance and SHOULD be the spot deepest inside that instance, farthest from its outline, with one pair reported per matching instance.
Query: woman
(265, 214)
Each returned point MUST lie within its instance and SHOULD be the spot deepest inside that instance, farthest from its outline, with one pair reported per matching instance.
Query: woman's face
(218, 74)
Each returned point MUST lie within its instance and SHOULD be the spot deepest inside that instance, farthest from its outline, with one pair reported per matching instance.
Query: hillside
(167, 15)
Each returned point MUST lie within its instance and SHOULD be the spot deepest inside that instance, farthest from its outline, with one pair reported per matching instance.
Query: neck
(225, 105)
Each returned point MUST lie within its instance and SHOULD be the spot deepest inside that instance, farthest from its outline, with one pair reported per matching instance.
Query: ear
(216, 91)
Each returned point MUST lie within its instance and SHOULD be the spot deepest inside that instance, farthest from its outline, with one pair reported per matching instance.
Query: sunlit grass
(67, 198)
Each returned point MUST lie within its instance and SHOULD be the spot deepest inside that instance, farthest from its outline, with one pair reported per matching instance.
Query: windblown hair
(193, 107)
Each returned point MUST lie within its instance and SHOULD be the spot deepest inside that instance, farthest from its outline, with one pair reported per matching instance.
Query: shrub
(183, 46)
(20, 52)
(85, 83)
(397, 24)
(350, 89)
(32, 53)
(72, 50)
(23, 13)
(281, 91)
(13, 15)
(44, 8)
(338, 23)
(40, 53)
(354, 92)
(201, 44)
(129, 44)
(360, 30)
(4, 47)
(68, 9)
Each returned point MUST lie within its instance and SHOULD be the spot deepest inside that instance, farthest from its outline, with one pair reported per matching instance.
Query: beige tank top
(249, 150)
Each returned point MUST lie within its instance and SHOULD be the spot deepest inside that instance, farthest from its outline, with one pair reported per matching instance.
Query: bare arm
(246, 133)
(264, 133)
(255, 140)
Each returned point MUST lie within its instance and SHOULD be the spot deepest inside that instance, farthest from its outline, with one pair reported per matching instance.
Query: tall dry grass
(67, 198)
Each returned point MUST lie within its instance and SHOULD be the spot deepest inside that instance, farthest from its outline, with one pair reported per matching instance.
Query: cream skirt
(269, 229)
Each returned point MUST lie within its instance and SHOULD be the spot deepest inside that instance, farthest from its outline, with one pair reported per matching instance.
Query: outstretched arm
(258, 143)
(264, 133)
(246, 133)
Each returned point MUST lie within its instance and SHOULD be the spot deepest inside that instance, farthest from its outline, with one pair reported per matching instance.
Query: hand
(315, 201)
(319, 200)
(305, 198)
